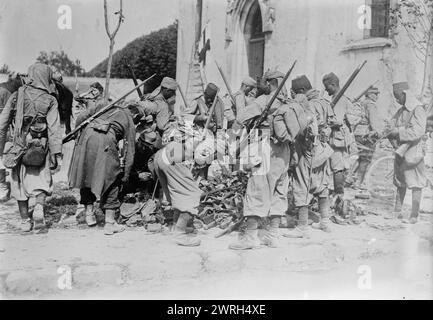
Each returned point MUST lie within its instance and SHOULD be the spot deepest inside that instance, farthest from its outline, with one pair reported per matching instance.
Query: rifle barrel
(363, 93)
(102, 111)
(347, 84)
(211, 111)
(225, 82)
(134, 79)
(264, 113)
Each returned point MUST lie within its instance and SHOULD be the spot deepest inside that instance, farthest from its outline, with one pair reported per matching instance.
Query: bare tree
(416, 18)
(111, 36)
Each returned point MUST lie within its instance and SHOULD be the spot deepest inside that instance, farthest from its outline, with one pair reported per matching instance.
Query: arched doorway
(254, 40)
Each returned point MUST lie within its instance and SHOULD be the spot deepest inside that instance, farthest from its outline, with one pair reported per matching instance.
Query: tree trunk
(108, 75)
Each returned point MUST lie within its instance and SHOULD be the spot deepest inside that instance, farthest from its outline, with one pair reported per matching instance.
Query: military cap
(330, 77)
(273, 74)
(400, 86)
(249, 82)
(373, 90)
(97, 85)
(301, 82)
(211, 90)
(169, 83)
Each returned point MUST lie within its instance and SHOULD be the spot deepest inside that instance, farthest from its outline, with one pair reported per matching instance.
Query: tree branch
(107, 29)
(120, 20)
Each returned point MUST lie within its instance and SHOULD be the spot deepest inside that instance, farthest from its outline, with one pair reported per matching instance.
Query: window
(379, 19)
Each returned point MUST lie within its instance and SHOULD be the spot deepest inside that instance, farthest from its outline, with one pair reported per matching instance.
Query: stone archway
(245, 45)
(254, 41)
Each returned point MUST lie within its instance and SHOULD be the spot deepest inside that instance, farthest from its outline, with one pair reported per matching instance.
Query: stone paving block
(19, 282)
(188, 265)
(223, 261)
(84, 276)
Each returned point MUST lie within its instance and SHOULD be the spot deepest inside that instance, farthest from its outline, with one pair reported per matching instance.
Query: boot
(324, 223)
(38, 217)
(301, 230)
(270, 235)
(4, 187)
(181, 236)
(248, 239)
(26, 225)
(416, 201)
(339, 180)
(111, 227)
(26, 222)
(90, 215)
(399, 199)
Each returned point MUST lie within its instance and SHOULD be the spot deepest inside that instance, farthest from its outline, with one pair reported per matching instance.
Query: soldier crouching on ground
(171, 166)
(406, 133)
(96, 162)
(311, 174)
(37, 142)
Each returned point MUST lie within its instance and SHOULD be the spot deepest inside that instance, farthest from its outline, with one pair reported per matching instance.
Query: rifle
(71, 134)
(264, 114)
(134, 79)
(211, 111)
(347, 84)
(364, 92)
(183, 96)
(254, 124)
(226, 84)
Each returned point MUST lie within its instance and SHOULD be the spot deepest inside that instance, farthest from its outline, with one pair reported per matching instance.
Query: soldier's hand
(393, 134)
(200, 119)
(54, 161)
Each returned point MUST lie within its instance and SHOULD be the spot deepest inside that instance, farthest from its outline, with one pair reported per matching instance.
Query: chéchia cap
(301, 82)
(330, 77)
(249, 82)
(211, 90)
(169, 83)
(400, 86)
(373, 90)
(273, 74)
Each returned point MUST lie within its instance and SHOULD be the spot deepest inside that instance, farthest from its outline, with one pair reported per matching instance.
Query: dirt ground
(376, 259)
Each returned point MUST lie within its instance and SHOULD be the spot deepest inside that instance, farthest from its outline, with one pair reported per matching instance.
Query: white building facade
(248, 37)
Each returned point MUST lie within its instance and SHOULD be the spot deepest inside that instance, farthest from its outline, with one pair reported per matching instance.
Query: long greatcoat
(95, 163)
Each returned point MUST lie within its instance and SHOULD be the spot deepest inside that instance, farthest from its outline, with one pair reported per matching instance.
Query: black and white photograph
(216, 155)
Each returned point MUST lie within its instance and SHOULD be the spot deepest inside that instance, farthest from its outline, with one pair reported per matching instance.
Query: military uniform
(266, 193)
(33, 110)
(173, 167)
(366, 126)
(409, 125)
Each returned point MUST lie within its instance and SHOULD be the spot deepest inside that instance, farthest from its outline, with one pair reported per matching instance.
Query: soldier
(366, 132)
(96, 162)
(37, 142)
(201, 105)
(311, 174)
(266, 194)
(160, 103)
(341, 139)
(243, 96)
(6, 90)
(408, 129)
(172, 166)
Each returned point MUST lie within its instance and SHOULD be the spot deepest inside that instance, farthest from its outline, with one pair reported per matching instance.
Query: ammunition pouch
(99, 125)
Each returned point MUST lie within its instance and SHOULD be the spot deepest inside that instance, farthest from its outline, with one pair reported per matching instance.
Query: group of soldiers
(302, 139)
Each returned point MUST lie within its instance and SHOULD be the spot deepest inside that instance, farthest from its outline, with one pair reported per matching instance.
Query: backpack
(29, 141)
(279, 128)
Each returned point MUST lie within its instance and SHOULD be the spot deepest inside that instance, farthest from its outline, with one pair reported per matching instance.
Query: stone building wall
(323, 35)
